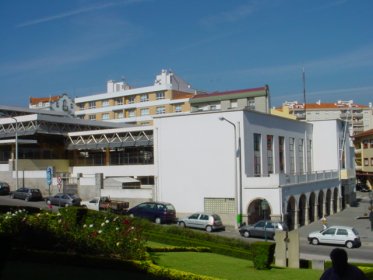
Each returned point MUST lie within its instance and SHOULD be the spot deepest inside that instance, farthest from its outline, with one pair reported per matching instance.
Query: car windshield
(216, 217)
(170, 207)
(35, 190)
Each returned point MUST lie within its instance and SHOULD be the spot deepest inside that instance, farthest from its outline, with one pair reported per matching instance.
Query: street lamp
(238, 183)
(264, 205)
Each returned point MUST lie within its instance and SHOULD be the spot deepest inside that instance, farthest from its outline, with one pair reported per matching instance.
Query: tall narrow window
(257, 155)
(144, 97)
(309, 156)
(160, 95)
(270, 153)
(291, 155)
(301, 155)
(281, 153)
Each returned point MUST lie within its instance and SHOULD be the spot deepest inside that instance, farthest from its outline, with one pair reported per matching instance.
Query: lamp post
(237, 170)
(264, 205)
(16, 144)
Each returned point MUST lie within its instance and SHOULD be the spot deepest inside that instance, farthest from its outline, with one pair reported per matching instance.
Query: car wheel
(12, 196)
(349, 244)
(27, 198)
(182, 224)
(158, 220)
(209, 228)
(246, 234)
(315, 241)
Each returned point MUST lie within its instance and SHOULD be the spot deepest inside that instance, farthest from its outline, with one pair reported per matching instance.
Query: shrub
(263, 253)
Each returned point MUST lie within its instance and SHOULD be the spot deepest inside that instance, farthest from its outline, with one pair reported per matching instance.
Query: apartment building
(359, 117)
(364, 157)
(122, 103)
(59, 103)
(257, 99)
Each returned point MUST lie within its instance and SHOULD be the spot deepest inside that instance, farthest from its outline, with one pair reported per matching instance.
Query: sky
(75, 46)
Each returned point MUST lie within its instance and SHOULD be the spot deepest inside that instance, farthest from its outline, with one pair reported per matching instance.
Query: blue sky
(75, 46)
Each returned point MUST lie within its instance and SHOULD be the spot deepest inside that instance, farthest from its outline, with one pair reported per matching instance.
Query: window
(81, 106)
(119, 101)
(92, 117)
(131, 113)
(119, 114)
(160, 95)
(234, 103)
(281, 151)
(366, 162)
(257, 154)
(291, 155)
(105, 103)
(131, 99)
(105, 116)
(309, 157)
(251, 103)
(178, 108)
(144, 97)
(371, 161)
(365, 144)
(301, 155)
(91, 105)
(144, 111)
(270, 153)
(160, 110)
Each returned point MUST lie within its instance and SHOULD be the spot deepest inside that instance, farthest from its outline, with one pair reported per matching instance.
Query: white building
(289, 164)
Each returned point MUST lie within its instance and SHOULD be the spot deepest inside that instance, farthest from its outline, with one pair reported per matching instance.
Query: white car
(208, 222)
(337, 235)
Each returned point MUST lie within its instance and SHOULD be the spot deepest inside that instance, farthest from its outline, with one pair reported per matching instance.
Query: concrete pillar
(324, 208)
(315, 208)
(331, 206)
(281, 248)
(107, 156)
(293, 249)
(306, 216)
(296, 219)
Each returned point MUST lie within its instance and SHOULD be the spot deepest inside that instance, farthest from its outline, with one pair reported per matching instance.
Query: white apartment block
(121, 103)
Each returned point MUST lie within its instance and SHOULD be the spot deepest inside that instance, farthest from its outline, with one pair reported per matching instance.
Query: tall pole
(16, 144)
(237, 183)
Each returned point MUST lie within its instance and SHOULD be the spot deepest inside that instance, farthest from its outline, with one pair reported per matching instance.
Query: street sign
(49, 175)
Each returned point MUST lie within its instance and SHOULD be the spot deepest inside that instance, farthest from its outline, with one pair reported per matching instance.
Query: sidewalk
(350, 216)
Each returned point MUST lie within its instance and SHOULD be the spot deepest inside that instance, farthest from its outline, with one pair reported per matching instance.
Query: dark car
(4, 188)
(27, 194)
(262, 228)
(158, 212)
(64, 199)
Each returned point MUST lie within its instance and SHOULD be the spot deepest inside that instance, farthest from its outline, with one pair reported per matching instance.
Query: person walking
(324, 222)
(341, 269)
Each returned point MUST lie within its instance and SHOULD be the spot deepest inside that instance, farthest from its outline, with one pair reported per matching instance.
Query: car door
(192, 220)
(258, 229)
(341, 236)
(328, 236)
(203, 221)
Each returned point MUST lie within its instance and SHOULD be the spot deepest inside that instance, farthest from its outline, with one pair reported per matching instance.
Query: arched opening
(335, 200)
(311, 207)
(343, 197)
(320, 201)
(328, 202)
(290, 213)
(259, 209)
(302, 210)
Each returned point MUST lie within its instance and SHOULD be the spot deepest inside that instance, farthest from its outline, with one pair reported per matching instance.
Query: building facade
(364, 157)
(59, 103)
(122, 103)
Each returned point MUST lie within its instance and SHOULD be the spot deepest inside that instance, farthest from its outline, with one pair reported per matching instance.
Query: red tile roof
(36, 100)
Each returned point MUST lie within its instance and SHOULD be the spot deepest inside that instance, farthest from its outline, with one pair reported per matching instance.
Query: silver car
(64, 199)
(336, 235)
(262, 228)
(208, 222)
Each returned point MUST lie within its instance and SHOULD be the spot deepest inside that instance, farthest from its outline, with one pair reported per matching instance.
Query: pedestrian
(341, 269)
(324, 222)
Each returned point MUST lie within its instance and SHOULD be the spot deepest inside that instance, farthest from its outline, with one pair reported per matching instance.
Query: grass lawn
(228, 268)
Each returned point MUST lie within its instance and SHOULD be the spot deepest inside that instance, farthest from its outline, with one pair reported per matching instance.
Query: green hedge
(263, 254)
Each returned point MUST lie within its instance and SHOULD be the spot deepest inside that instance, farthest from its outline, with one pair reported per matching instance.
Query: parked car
(4, 188)
(105, 203)
(336, 235)
(208, 222)
(158, 212)
(262, 228)
(27, 194)
(64, 199)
